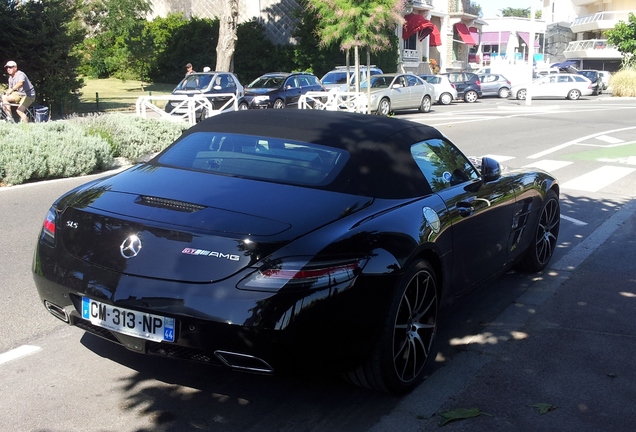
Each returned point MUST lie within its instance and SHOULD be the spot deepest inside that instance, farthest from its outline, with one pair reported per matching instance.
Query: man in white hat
(20, 92)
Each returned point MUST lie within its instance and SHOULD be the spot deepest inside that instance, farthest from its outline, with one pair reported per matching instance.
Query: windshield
(256, 157)
(267, 82)
(194, 82)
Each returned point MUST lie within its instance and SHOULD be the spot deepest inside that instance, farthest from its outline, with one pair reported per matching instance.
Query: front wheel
(279, 104)
(425, 105)
(470, 96)
(504, 92)
(521, 94)
(545, 237)
(243, 106)
(396, 364)
(384, 107)
(574, 94)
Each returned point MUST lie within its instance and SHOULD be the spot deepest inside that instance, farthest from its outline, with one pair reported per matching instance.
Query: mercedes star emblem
(131, 247)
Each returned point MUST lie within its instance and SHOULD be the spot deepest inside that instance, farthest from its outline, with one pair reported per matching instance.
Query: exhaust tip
(56, 311)
(244, 362)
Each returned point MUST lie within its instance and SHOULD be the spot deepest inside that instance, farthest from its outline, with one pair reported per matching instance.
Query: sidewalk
(575, 355)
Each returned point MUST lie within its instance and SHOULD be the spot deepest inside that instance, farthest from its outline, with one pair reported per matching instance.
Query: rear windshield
(254, 157)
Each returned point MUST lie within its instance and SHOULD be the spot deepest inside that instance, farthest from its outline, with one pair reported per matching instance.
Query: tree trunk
(227, 36)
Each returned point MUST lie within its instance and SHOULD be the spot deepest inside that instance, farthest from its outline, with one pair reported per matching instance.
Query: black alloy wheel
(544, 242)
(404, 347)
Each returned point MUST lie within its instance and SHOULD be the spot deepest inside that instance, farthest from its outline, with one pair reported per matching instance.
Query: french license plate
(133, 323)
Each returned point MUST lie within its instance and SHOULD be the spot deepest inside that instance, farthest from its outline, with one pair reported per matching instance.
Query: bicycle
(30, 113)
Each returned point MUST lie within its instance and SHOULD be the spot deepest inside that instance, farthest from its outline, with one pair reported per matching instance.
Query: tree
(227, 36)
(40, 36)
(623, 36)
(515, 12)
(357, 23)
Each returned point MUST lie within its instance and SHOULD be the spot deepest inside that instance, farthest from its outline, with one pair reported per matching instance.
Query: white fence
(334, 101)
(185, 107)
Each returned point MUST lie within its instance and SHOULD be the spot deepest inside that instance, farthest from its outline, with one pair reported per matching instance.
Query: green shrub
(623, 83)
(79, 146)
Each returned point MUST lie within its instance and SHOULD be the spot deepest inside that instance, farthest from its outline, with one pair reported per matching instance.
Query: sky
(491, 8)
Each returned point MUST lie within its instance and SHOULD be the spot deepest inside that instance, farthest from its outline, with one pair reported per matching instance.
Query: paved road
(59, 374)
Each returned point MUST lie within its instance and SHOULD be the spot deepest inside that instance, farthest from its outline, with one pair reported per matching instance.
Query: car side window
(442, 164)
(412, 80)
(564, 79)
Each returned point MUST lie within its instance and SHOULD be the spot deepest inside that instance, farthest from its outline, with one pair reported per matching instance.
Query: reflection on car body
(270, 240)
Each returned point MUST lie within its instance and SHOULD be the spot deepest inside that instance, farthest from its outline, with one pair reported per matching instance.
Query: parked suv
(337, 78)
(207, 83)
(280, 89)
(595, 77)
(467, 84)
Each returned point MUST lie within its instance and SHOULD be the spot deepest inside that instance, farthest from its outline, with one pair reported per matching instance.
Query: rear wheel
(243, 106)
(545, 238)
(521, 94)
(445, 98)
(503, 92)
(384, 107)
(574, 94)
(470, 96)
(279, 104)
(396, 364)
(425, 105)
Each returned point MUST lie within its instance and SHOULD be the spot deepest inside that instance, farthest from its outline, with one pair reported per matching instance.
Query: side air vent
(169, 204)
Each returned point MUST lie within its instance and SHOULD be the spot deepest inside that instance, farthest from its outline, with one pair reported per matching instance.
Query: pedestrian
(189, 69)
(20, 92)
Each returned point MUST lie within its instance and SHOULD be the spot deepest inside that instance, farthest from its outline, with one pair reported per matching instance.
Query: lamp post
(530, 54)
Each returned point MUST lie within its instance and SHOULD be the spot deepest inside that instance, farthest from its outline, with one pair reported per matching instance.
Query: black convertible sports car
(265, 240)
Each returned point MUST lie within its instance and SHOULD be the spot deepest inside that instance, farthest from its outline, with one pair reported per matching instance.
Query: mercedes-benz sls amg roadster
(272, 240)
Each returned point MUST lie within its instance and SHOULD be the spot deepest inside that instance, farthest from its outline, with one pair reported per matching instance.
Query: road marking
(576, 141)
(574, 221)
(499, 158)
(21, 351)
(548, 165)
(597, 179)
(609, 139)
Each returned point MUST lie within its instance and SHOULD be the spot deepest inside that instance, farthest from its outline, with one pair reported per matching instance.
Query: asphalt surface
(561, 358)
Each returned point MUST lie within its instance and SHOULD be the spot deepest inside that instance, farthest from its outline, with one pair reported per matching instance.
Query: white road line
(548, 165)
(500, 158)
(574, 221)
(21, 351)
(609, 139)
(576, 141)
(598, 179)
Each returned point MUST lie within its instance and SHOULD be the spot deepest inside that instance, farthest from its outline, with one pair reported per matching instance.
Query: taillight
(48, 228)
(453, 85)
(299, 274)
(478, 83)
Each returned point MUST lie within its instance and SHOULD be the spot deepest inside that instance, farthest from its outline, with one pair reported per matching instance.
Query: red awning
(526, 36)
(416, 23)
(435, 39)
(475, 34)
(464, 34)
(495, 38)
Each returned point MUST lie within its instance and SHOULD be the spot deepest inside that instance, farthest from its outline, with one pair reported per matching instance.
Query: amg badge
(214, 254)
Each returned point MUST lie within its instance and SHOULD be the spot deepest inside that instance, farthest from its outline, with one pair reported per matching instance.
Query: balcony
(599, 21)
(583, 2)
(409, 55)
(592, 49)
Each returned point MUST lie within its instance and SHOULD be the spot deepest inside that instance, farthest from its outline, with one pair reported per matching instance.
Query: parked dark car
(596, 78)
(280, 89)
(207, 83)
(494, 85)
(467, 84)
(269, 240)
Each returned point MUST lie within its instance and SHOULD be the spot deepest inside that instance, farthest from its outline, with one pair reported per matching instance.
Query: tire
(445, 98)
(545, 237)
(574, 94)
(404, 347)
(425, 105)
(470, 96)
(278, 104)
(384, 107)
(521, 94)
(504, 92)
(243, 106)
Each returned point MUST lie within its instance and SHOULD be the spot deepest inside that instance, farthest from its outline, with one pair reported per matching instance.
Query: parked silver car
(398, 92)
(445, 91)
(495, 85)
(564, 85)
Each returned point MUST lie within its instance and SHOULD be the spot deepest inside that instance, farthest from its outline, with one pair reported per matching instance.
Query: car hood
(258, 91)
(190, 226)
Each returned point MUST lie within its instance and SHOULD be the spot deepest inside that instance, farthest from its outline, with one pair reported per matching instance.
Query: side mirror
(490, 169)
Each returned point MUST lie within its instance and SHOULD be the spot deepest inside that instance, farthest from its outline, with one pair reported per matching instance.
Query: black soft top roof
(380, 164)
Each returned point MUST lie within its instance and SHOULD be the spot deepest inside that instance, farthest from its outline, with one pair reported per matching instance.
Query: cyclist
(20, 92)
